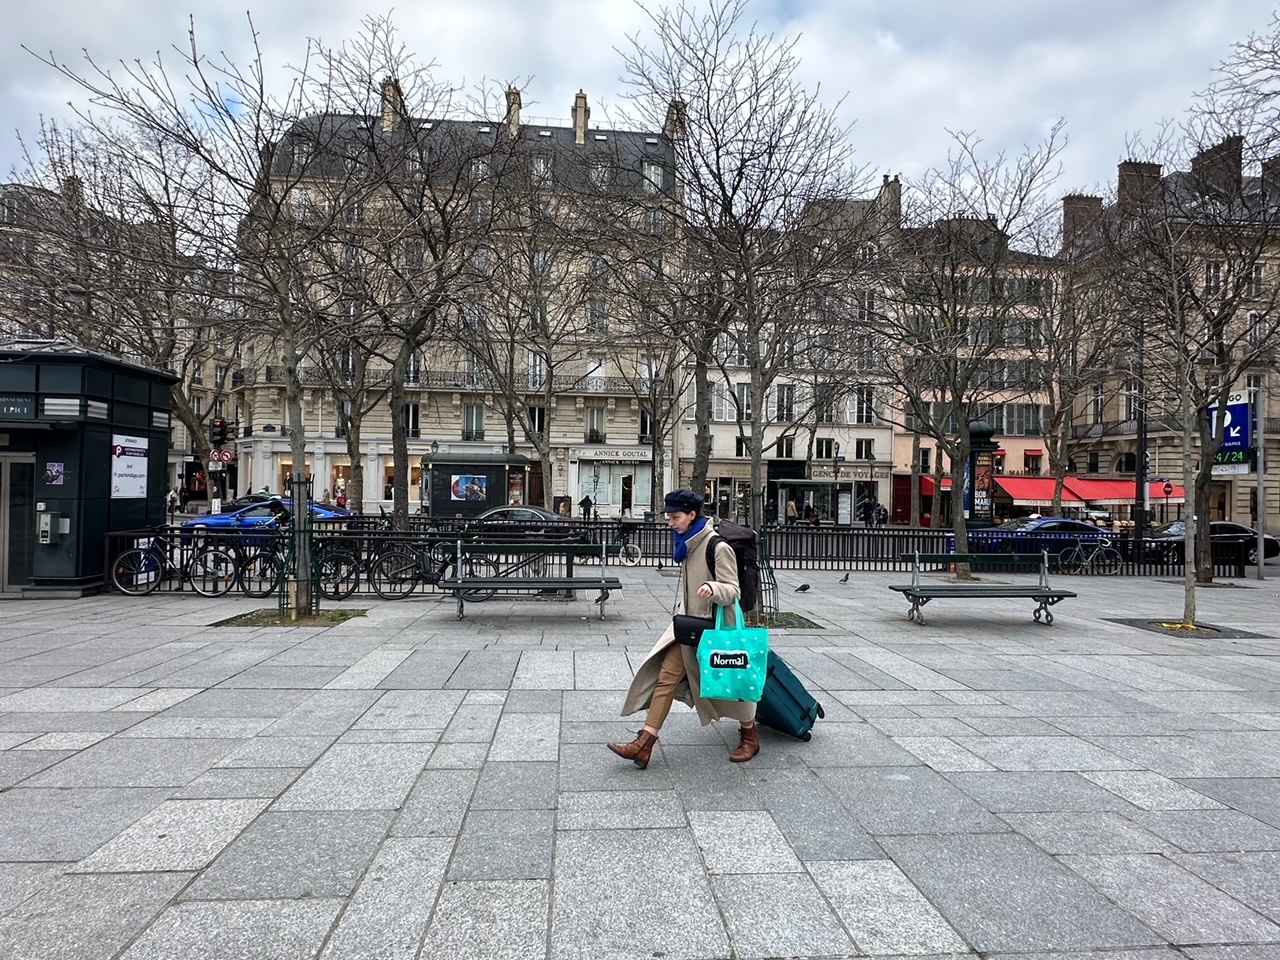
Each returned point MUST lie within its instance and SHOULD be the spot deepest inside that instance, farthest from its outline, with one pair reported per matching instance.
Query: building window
(786, 449)
(411, 420)
(1031, 464)
(597, 317)
(997, 464)
(480, 169)
(9, 210)
(348, 364)
(651, 267)
(651, 171)
(413, 371)
(537, 370)
(473, 421)
(1093, 461)
(219, 407)
(653, 222)
(1128, 463)
(595, 425)
(784, 403)
(475, 317)
(742, 446)
(597, 270)
(824, 403)
(1256, 276)
(413, 256)
(354, 211)
(863, 405)
(1212, 279)
(595, 373)
(540, 172)
(601, 173)
(1096, 404)
(538, 319)
(864, 449)
(646, 426)
(926, 456)
(1258, 331)
(197, 373)
(481, 211)
(541, 264)
(742, 398)
(824, 448)
(1131, 400)
(480, 260)
(538, 421)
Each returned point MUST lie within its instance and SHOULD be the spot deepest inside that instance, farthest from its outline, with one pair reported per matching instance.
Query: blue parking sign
(1235, 428)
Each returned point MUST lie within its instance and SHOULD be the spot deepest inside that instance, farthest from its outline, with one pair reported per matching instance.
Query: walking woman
(670, 671)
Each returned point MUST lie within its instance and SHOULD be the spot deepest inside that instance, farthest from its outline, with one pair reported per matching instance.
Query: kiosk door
(17, 521)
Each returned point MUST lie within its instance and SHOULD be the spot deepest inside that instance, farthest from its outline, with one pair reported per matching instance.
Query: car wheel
(1251, 558)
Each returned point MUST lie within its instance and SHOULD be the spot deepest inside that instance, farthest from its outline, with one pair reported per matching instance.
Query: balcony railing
(441, 379)
(472, 434)
(1126, 428)
(595, 436)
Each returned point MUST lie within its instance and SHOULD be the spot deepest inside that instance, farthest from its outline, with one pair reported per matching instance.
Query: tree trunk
(702, 424)
(299, 583)
(400, 438)
(915, 480)
(1189, 525)
(355, 487)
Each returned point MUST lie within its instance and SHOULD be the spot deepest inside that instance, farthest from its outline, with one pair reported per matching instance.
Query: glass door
(17, 522)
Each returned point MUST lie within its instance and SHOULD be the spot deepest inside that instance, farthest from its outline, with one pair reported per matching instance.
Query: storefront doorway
(17, 521)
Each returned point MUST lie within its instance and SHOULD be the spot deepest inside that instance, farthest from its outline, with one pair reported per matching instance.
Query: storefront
(617, 479)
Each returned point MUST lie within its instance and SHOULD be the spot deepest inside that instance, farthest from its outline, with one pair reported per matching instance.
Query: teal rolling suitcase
(786, 705)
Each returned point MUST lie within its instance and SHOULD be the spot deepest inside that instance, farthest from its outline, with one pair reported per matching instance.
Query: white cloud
(1006, 69)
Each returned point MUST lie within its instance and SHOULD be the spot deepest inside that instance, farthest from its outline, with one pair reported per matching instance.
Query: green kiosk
(84, 448)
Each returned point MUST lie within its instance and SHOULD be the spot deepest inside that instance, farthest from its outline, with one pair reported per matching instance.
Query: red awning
(1098, 491)
(926, 485)
(998, 453)
(1034, 491)
(1033, 453)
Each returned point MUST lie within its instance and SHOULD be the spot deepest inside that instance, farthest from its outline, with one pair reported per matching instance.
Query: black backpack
(746, 550)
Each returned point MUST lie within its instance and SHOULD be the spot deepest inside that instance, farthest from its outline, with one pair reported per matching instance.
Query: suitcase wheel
(821, 713)
(805, 737)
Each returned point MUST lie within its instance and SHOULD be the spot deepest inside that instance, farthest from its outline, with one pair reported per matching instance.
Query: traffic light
(218, 431)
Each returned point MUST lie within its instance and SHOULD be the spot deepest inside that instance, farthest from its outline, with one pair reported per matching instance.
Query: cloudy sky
(908, 69)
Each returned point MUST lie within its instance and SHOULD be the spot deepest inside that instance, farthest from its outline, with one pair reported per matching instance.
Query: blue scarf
(682, 540)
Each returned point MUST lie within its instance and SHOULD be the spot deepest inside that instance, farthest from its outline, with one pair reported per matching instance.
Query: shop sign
(615, 454)
(847, 472)
(17, 407)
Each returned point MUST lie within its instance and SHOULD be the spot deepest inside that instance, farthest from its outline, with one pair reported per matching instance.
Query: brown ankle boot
(748, 745)
(638, 750)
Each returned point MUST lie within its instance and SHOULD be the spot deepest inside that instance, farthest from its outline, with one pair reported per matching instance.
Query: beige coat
(724, 590)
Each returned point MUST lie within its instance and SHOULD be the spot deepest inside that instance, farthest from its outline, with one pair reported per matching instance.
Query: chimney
(673, 128)
(513, 112)
(889, 202)
(1220, 165)
(392, 104)
(73, 192)
(1079, 213)
(1137, 183)
(581, 114)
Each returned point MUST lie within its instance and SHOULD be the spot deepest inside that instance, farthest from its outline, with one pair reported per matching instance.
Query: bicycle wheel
(339, 575)
(1108, 561)
(137, 572)
(1070, 561)
(259, 574)
(478, 567)
(630, 554)
(395, 575)
(212, 572)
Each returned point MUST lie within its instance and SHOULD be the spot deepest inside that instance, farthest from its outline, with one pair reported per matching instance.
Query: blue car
(1033, 534)
(258, 516)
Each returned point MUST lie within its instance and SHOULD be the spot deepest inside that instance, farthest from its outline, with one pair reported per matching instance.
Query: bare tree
(966, 293)
(765, 171)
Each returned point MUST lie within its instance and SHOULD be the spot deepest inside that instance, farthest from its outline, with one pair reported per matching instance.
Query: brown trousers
(664, 692)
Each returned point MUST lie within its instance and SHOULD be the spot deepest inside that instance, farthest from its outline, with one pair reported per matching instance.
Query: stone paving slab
(406, 785)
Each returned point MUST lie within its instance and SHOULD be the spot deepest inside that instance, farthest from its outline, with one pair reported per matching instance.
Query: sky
(904, 72)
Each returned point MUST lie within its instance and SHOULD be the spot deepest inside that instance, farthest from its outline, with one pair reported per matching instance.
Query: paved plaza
(405, 785)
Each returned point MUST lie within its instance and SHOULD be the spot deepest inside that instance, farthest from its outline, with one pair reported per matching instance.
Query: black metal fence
(836, 548)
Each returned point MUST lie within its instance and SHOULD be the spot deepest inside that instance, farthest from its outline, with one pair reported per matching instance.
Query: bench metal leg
(916, 613)
(460, 604)
(1043, 608)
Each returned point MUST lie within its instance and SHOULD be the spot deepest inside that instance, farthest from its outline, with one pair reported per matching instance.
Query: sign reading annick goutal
(128, 467)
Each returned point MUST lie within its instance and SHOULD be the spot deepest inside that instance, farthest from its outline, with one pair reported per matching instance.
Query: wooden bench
(921, 592)
(520, 566)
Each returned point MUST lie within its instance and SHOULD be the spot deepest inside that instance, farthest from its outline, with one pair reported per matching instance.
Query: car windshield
(1021, 523)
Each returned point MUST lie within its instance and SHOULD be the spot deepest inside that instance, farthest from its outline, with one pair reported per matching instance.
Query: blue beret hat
(682, 501)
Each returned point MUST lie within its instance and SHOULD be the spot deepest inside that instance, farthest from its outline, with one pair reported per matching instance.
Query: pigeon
(845, 578)
(803, 588)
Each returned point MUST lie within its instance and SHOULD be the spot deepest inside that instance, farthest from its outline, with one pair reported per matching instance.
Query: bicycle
(397, 573)
(1092, 556)
(628, 553)
(340, 565)
(139, 570)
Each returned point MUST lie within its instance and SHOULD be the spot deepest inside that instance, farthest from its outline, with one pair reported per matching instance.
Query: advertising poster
(468, 486)
(984, 488)
(128, 467)
(515, 489)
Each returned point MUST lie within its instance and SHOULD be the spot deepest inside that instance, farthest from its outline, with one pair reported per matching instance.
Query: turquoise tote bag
(733, 661)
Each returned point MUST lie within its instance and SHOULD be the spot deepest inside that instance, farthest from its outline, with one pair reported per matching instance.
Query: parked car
(521, 520)
(257, 516)
(1174, 534)
(1033, 534)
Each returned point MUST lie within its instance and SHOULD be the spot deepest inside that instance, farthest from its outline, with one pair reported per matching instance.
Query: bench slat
(531, 583)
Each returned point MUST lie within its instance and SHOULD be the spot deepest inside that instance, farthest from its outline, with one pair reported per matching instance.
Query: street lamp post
(835, 479)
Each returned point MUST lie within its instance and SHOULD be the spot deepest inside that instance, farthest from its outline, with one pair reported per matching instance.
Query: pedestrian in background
(670, 672)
